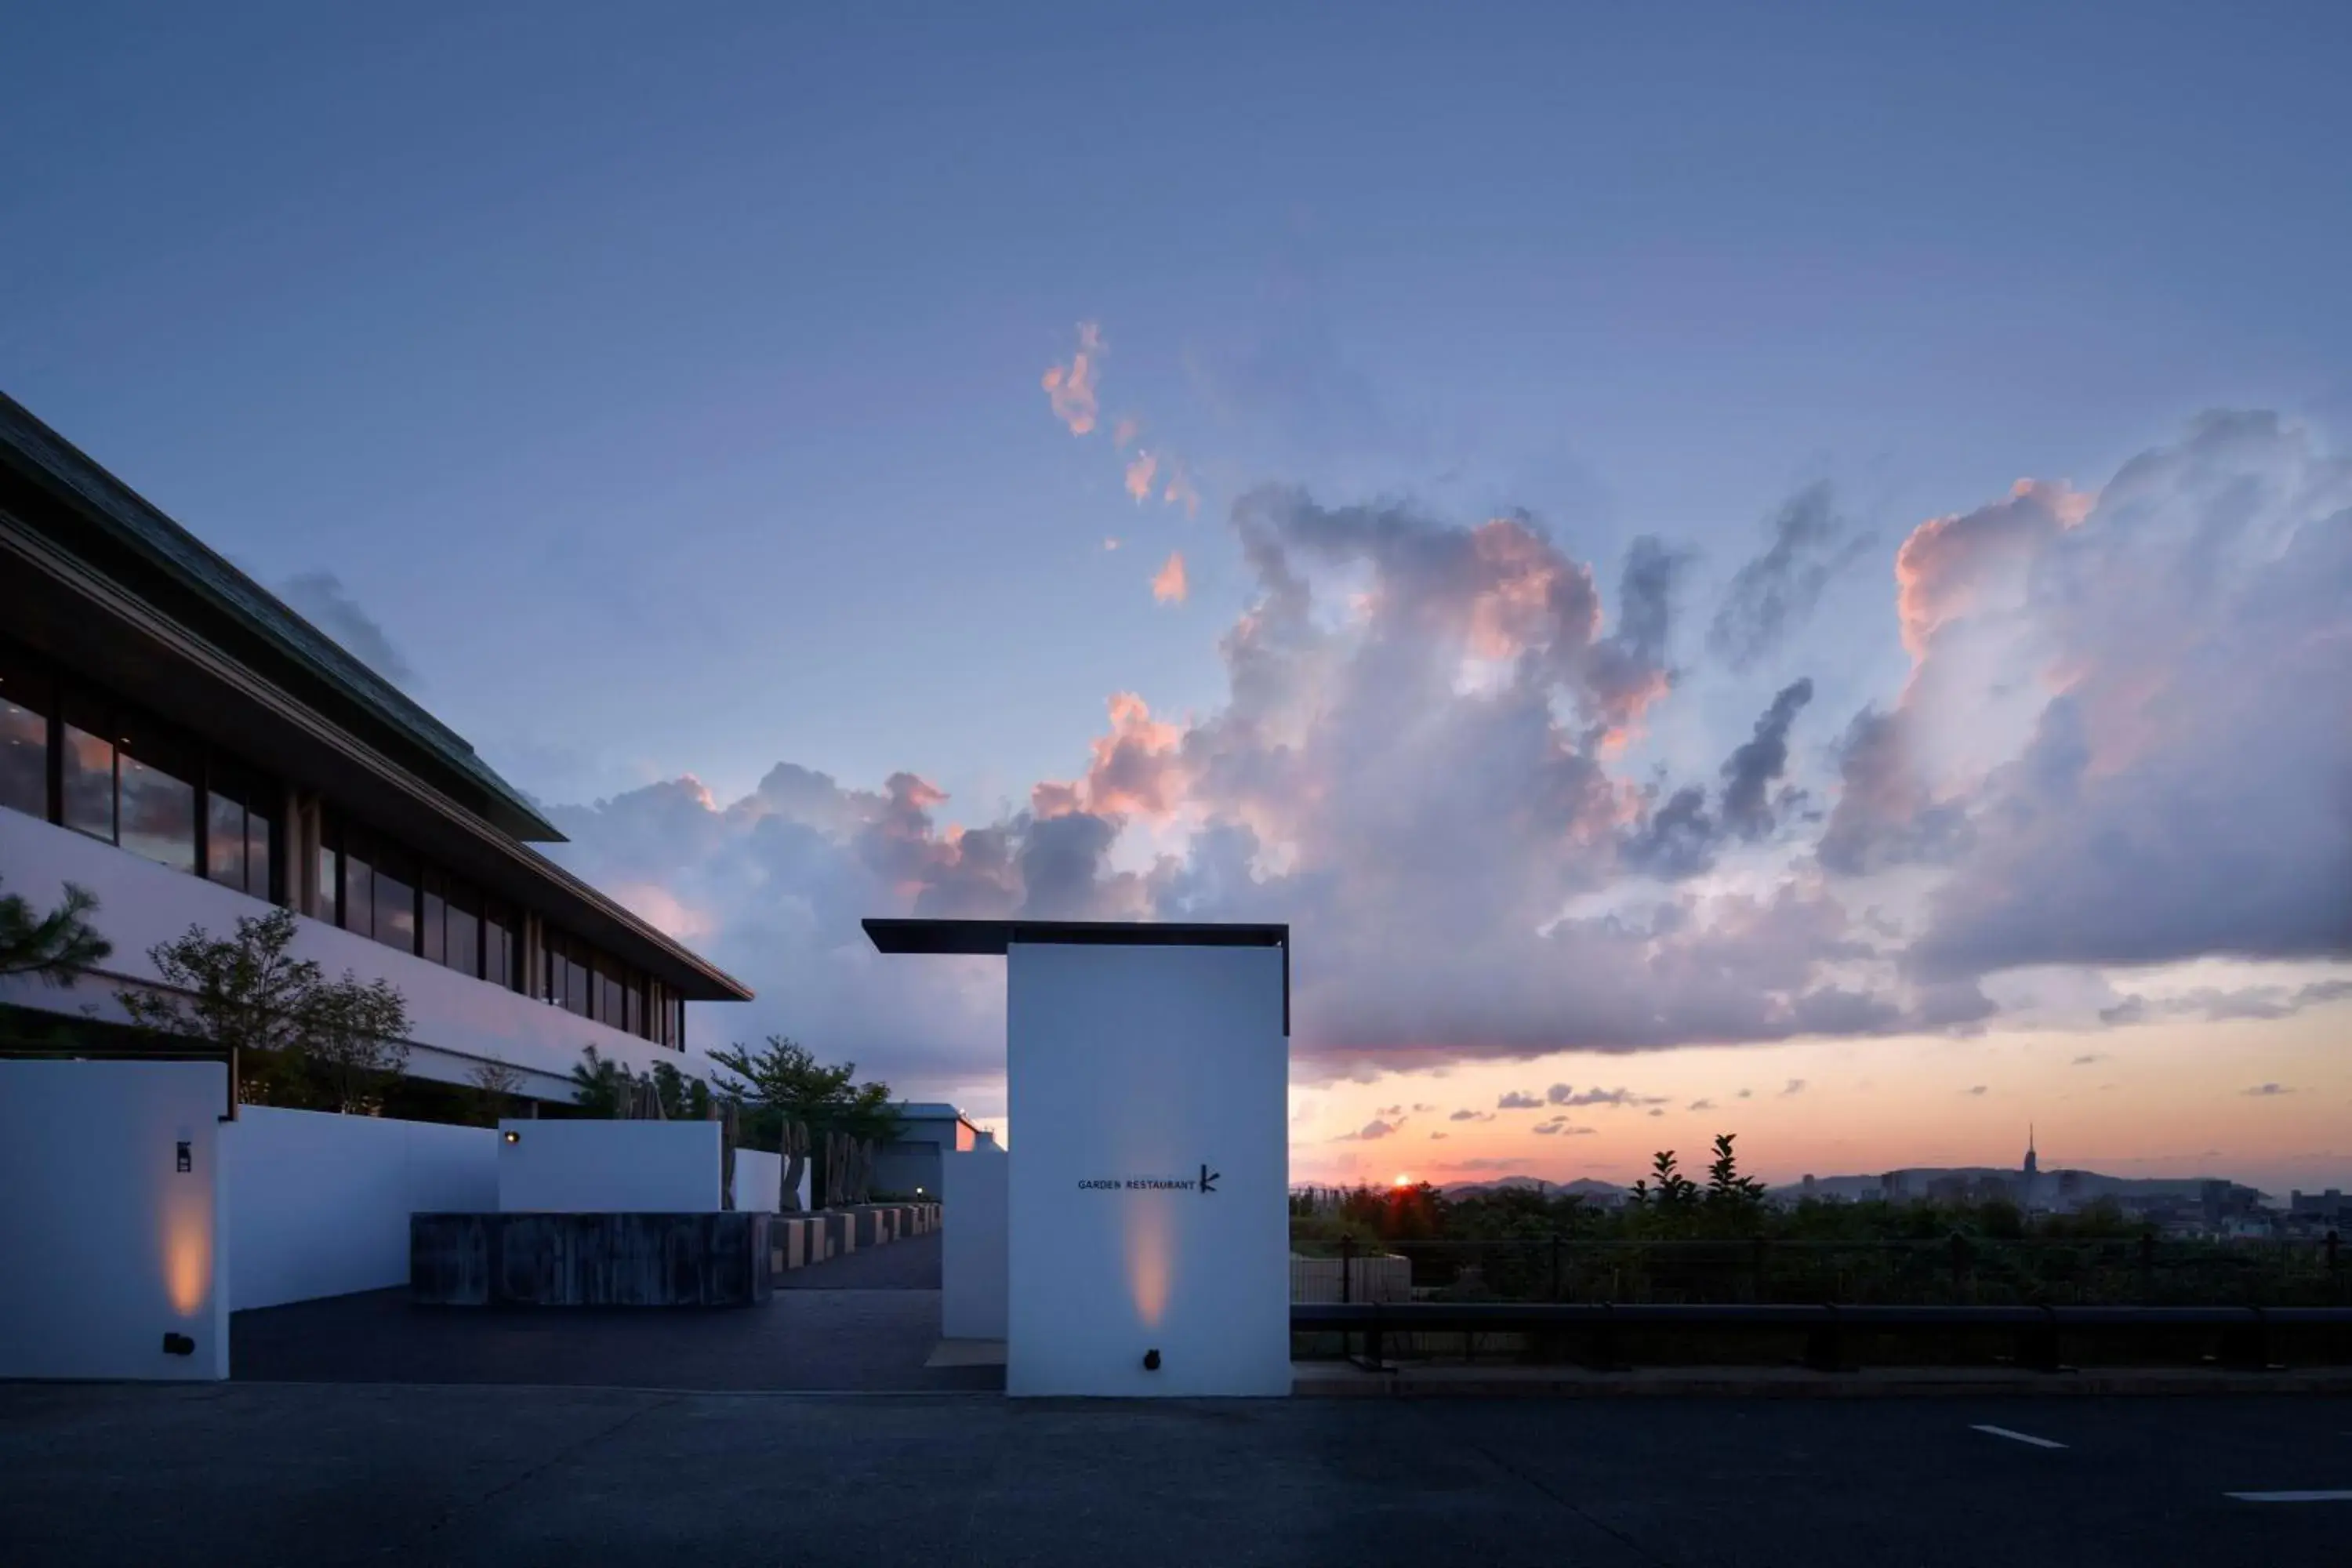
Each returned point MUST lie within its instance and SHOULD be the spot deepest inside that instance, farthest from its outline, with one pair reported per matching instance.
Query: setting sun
(1403, 1179)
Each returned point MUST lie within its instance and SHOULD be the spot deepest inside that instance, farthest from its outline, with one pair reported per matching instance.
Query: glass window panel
(257, 857)
(330, 882)
(25, 704)
(463, 941)
(156, 773)
(86, 771)
(434, 920)
(396, 899)
(498, 944)
(359, 885)
(224, 840)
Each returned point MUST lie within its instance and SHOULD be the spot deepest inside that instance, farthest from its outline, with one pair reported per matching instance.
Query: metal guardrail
(2245, 1331)
(1952, 1269)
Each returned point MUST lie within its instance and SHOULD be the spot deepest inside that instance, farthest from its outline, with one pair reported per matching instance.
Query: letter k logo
(1209, 1179)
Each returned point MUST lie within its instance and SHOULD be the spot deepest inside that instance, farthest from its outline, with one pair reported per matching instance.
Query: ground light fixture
(179, 1344)
(1152, 1360)
(511, 1136)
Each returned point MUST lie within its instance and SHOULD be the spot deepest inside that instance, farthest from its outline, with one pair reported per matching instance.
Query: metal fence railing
(1952, 1271)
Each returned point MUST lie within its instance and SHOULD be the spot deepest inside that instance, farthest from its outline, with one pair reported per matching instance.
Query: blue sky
(666, 386)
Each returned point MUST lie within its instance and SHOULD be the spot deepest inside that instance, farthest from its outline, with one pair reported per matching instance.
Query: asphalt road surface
(260, 1473)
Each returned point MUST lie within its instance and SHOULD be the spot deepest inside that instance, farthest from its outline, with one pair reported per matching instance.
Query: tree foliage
(301, 1039)
(601, 1086)
(57, 946)
(785, 1082)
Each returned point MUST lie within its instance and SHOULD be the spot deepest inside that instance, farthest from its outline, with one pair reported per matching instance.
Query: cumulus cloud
(1794, 1086)
(1168, 585)
(1070, 388)
(1774, 592)
(1681, 837)
(321, 598)
(2110, 734)
(2113, 746)
(1371, 1131)
(2086, 1059)
(1514, 1100)
(1436, 1136)
(1466, 1115)
(2266, 1091)
(1979, 1091)
(1700, 1105)
(1140, 470)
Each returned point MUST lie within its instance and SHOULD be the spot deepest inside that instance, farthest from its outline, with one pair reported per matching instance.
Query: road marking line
(2291, 1496)
(2018, 1436)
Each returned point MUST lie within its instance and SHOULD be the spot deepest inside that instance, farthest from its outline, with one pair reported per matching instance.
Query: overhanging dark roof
(99, 521)
(994, 937)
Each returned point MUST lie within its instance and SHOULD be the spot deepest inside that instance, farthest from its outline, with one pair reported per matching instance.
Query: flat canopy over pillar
(996, 938)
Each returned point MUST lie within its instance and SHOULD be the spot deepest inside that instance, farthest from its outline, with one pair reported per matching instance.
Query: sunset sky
(1725, 574)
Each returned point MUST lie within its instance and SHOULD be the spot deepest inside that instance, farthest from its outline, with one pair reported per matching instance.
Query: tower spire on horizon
(2032, 1161)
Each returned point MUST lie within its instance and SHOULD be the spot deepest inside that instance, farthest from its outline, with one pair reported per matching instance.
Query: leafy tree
(56, 946)
(785, 1083)
(602, 1086)
(490, 1089)
(298, 1038)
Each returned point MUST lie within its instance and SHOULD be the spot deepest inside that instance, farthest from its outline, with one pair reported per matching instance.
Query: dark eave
(52, 488)
(248, 679)
(997, 937)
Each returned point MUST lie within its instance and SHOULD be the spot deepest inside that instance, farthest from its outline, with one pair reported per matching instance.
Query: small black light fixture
(1152, 1360)
(186, 1159)
(511, 1136)
(179, 1344)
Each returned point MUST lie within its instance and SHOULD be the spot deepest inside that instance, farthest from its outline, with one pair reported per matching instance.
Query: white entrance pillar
(1148, 1224)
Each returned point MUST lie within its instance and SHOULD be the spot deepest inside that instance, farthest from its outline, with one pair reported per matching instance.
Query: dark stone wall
(590, 1259)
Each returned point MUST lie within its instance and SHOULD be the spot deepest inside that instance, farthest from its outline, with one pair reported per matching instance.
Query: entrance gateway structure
(1147, 1229)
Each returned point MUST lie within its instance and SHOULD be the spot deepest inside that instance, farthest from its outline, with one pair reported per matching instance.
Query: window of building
(433, 916)
(462, 941)
(237, 832)
(26, 701)
(395, 898)
(357, 903)
(156, 772)
(85, 769)
(501, 945)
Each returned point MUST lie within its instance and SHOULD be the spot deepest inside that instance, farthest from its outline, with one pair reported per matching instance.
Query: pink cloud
(1138, 476)
(1070, 388)
(1168, 585)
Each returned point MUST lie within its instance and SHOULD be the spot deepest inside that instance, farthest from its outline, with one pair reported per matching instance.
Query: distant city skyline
(1750, 572)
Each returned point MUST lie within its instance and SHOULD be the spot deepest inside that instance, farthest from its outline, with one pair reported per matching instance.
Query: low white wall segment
(972, 1248)
(455, 1023)
(759, 1180)
(1133, 1072)
(318, 1204)
(106, 1244)
(608, 1167)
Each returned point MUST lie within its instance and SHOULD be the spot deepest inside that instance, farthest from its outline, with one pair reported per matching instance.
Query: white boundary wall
(1130, 1064)
(759, 1180)
(318, 1204)
(105, 1245)
(972, 1248)
(608, 1167)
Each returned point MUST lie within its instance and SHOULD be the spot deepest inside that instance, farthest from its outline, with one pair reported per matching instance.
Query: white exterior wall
(1147, 1062)
(759, 1180)
(318, 1204)
(971, 1244)
(105, 1245)
(608, 1167)
(456, 1022)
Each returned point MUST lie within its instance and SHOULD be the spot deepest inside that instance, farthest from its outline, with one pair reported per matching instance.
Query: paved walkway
(862, 1323)
(910, 1265)
(252, 1475)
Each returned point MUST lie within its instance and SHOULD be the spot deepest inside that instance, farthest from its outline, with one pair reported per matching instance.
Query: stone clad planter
(721, 1259)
